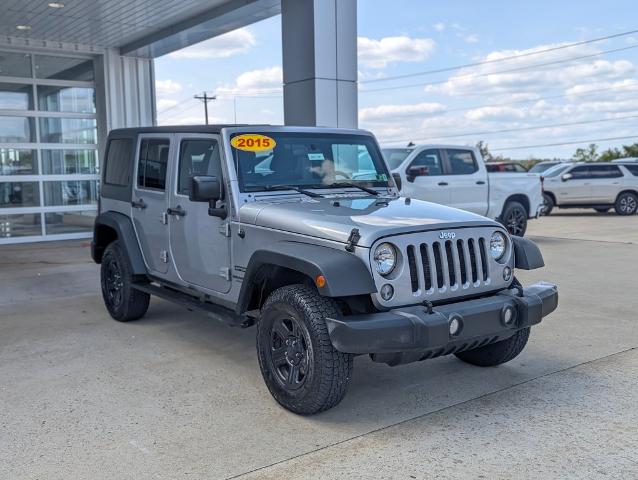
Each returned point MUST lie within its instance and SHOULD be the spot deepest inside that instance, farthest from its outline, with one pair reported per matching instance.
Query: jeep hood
(375, 217)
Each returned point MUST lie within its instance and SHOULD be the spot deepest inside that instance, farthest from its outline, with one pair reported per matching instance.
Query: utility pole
(204, 97)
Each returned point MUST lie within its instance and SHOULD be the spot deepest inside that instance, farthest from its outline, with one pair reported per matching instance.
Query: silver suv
(302, 232)
(601, 186)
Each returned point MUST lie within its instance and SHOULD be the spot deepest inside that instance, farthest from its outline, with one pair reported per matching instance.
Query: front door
(148, 206)
(432, 185)
(469, 180)
(577, 189)
(200, 243)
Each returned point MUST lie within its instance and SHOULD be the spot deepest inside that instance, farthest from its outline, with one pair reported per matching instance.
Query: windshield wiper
(273, 188)
(353, 185)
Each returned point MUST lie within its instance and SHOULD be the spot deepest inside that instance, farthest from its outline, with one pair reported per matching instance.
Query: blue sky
(598, 95)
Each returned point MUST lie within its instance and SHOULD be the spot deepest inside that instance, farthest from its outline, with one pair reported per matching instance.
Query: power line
(574, 142)
(497, 60)
(517, 69)
(515, 102)
(180, 103)
(520, 129)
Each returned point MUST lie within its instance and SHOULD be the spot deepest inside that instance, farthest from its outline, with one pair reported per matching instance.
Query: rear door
(433, 185)
(149, 200)
(606, 182)
(468, 179)
(200, 243)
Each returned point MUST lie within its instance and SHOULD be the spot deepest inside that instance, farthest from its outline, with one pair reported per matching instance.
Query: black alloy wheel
(289, 355)
(113, 283)
(514, 219)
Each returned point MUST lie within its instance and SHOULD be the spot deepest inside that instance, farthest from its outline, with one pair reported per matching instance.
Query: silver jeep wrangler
(302, 232)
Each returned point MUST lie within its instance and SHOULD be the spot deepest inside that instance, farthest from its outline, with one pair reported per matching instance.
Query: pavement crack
(438, 410)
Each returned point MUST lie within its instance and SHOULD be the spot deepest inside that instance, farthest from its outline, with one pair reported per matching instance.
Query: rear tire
(548, 204)
(626, 203)
(496, 353)
(301, 368)
(514, 218)
(123, 302)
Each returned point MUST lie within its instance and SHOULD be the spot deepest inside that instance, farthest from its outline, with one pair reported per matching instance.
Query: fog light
(507, 274)
(508, 314)
(387, 291)
(455, 325)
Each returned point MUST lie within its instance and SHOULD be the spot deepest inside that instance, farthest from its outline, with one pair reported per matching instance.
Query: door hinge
(164, 218)
(225, 272)
(224, 229)
(164, 256)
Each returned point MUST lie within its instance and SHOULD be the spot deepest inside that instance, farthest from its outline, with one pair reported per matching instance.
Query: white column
(319, 40)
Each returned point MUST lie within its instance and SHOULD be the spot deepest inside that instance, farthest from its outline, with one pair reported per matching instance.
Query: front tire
(514, 218)
(626, 203)
(301, 368)
(123, 302)
(548, 204)
(496, 353)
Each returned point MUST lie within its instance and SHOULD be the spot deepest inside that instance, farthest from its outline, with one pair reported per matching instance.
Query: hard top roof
(127, 132)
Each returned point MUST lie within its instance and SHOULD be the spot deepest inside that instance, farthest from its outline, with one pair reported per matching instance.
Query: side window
(118, 162)
(604, 171)
(462, 162)
(151, 169)
(197, 157)
(633, 169)
(580, 173)
(429, 159)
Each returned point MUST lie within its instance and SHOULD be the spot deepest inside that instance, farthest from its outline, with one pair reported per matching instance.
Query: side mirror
(208, 188)
(415, 171)
(566, 176)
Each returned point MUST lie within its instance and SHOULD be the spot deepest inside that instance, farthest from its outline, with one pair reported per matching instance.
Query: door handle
(443, 184)
(141, 204)
(480, 182)
(178, 211)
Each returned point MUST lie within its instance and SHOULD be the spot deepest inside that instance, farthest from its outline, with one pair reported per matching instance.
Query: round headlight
(385, 258)
(498, 245)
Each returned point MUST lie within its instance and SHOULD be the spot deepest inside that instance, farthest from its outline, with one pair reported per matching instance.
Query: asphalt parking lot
(178, 396)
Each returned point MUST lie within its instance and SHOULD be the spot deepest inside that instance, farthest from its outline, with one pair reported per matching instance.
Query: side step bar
(190, 302)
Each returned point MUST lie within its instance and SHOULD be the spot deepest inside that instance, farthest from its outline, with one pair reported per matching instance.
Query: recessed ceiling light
(23, 27)
(56, 5)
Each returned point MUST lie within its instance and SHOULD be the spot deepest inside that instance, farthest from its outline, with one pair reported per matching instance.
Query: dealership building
(72, 70)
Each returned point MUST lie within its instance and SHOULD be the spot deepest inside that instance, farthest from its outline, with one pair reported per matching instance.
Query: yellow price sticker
(252, 142)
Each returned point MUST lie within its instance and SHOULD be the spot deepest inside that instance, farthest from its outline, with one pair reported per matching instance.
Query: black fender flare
(345, 273)
(527, 255)
(123, 227)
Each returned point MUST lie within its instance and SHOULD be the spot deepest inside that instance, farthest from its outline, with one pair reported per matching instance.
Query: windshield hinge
(353, 239)
(224, 229)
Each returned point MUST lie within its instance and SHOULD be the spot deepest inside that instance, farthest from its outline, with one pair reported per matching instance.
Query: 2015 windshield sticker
(252, 142)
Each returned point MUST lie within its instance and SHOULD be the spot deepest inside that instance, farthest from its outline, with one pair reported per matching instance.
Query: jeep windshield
(308, 160)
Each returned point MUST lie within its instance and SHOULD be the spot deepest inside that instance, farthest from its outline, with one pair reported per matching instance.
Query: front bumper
(410, 334)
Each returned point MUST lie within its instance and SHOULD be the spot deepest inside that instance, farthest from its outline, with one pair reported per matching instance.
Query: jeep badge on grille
(447, 236)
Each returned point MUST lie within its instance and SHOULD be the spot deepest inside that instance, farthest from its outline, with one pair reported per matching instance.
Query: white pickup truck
(456, 176)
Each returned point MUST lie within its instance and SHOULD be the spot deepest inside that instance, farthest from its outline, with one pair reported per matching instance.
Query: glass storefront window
(15, 64)
(70, 192)
(14, 96)
(68, 130)
(64, 68)
(18, 162)
(66, 99)
(19, 194)
(20, 225)
(17, 129)
(69, 162)
(69, 222)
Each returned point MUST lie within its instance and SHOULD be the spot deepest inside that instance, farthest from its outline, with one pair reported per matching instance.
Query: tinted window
(197, 157)
(429, 159)
(462, 162)
(118, 157)
(633, 169)
(580, 172)
(151, 171)
(604, 171)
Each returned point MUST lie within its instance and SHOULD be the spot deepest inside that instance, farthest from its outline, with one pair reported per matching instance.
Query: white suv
(600, 186)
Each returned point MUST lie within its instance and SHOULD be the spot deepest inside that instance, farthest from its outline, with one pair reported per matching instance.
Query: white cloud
(164, 103)
(495, 113)
(263, 80)
(167, 87)
(382, 112)
(439, 26)
(379, 53)
(472, 38)
(227, 45)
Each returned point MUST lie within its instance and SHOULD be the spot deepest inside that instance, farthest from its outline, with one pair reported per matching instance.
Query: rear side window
(633, 169)
(197, 157)
(604, 171)
(462, 162)
(118, 162)
(151, 169)
(430, 160)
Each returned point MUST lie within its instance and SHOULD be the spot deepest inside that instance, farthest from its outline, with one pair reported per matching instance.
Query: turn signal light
(320, 281)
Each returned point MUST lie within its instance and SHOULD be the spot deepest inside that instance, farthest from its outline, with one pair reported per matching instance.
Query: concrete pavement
(177, 395)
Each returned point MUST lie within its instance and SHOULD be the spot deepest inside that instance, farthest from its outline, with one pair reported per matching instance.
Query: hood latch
(353, 239)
